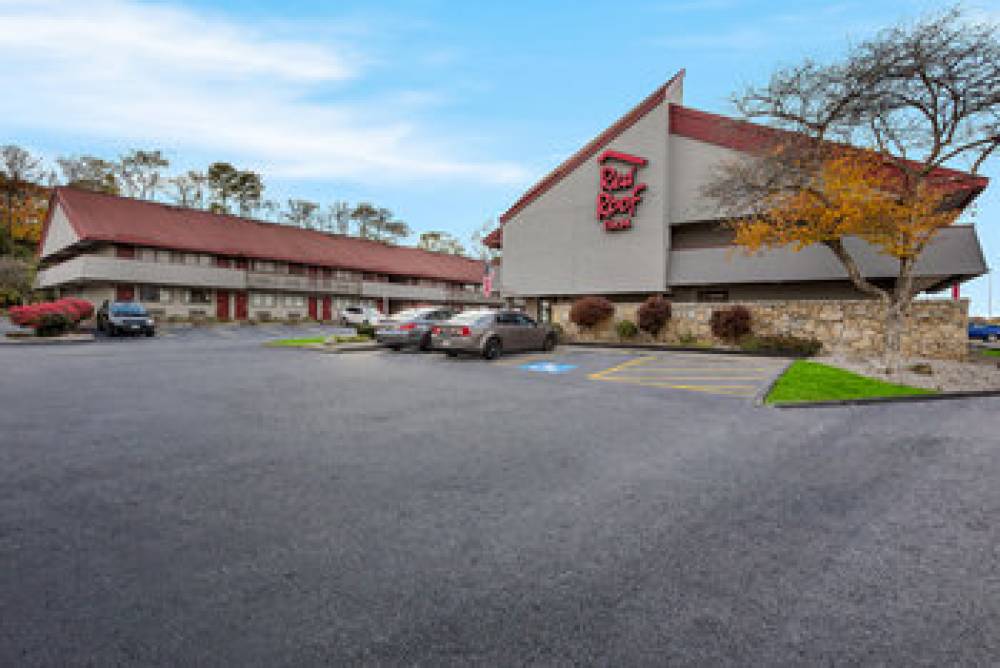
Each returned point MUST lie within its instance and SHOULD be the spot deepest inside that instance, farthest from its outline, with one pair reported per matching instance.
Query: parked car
(491, 333)
(359, 315)
(411, 328)
(986, 332)
(114, 318)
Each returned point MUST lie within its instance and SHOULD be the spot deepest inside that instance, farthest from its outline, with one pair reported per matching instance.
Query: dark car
(411, 328)
(114, 318)
(985, 332)
(492, 333)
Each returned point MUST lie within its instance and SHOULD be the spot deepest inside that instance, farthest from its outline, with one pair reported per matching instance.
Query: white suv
(359, 315)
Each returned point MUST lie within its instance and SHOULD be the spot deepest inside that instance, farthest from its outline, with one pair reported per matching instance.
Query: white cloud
(121, 71)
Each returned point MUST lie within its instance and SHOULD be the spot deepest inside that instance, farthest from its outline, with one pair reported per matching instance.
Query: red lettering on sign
(610, 201)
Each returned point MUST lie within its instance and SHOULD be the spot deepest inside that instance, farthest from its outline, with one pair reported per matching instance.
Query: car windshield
(470, 317)
(412, 314)
(128, 309)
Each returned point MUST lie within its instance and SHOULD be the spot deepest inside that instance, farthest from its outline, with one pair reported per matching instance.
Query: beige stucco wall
(692, 164)
(60, 234)
(937, 328)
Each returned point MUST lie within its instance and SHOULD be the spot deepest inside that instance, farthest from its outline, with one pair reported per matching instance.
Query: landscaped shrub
(590, 311)
(654, 314)
(731, 324)
(52, 318)
(626, 329)
(365, 330)
(783, 345)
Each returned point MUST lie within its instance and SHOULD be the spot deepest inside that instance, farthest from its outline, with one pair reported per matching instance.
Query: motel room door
(313, 308)
(222, 304)
(327, 308)
(124, 293)
(241, 305)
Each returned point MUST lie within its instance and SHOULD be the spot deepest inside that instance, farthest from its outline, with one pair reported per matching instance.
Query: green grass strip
(812, 381)
(295, 343)
(992, 352)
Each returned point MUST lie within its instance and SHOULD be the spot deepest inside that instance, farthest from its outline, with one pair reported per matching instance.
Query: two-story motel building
(624, 217)
(190, 263)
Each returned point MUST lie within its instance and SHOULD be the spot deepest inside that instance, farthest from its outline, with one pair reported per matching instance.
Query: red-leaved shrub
(49, 318)
(731, 324)
(589, 311)
(654, 314)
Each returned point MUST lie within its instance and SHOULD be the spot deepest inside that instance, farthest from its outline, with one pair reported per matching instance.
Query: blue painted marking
(548, 367)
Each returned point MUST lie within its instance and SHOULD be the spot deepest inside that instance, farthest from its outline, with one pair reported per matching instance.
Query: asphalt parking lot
(200, 499)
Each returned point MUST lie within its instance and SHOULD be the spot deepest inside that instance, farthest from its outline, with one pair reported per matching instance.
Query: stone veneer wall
(937, 328)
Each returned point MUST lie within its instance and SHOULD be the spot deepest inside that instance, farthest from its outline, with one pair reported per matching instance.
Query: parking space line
(600, 375)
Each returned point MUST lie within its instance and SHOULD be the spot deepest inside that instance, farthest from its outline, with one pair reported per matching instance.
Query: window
(294, 301)
(125, 252)
(149, 293)
(713, 295)
(177, 257)
(163, 256)
(263, 266)
(199, 296)
(525, 321)
(262, 300)
(296, 269)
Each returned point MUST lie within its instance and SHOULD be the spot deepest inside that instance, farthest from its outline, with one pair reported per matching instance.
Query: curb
(940, 396)
(761, 396)
(351, 348)
(683, 349)
(44, 341)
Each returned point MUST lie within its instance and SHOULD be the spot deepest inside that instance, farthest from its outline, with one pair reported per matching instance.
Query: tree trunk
(895, 322)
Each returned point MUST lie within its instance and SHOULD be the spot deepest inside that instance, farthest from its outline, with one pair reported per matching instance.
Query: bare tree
(140, 173)
(302, 213)
(90, 173)
(189, 189)
(911, 101)
(478, 237)
(340, 217)
(363, 214)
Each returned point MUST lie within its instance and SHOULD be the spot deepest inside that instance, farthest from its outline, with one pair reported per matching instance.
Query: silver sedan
(491, 333)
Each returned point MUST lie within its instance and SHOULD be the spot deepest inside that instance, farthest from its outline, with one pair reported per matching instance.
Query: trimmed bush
(590, 311)
(654, 314)
(782, 345)
(367, 331)
(52, 318)
(626, 329)
(731, 324)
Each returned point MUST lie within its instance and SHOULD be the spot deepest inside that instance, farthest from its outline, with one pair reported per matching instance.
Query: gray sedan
(491, 333)
(411, 328)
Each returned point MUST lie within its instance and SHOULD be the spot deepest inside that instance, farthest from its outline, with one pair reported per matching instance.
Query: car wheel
(396, 348)
(451, 353)
(549, 344)
(493, 349)
(150, 332)
(425, 343)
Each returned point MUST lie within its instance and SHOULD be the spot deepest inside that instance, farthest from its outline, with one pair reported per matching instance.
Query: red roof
(494, 239)
(100, 217)
(745, 136)
(703, 126)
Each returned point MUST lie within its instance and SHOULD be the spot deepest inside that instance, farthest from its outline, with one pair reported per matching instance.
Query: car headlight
(149, 321)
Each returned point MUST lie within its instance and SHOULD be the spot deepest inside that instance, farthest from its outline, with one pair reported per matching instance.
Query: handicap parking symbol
(548, 367)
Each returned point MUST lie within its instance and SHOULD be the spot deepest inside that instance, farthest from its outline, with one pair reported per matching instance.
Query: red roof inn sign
(620, 195)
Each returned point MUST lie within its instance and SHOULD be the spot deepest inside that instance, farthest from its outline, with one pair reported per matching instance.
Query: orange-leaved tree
(855, 194)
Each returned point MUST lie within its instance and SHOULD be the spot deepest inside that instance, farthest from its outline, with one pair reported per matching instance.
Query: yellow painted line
(599, 375)
(705, 368)
(649, 383)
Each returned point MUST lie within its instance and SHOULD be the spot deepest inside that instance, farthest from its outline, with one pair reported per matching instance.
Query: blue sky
(443, 111)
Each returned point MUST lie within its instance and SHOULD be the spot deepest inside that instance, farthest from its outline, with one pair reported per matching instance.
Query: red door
(314, 308)
(241, 305)
(124, 293)
(222, 304)
(327, 309)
